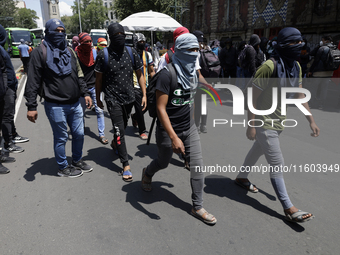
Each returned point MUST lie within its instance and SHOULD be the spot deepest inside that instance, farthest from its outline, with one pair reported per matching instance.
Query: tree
(7, 9)
(25, 18)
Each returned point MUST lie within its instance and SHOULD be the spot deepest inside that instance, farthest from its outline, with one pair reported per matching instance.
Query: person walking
(114, 76)
(176, 131)
(54, 65)
(24, 54)
(286, 52)
(87, 63)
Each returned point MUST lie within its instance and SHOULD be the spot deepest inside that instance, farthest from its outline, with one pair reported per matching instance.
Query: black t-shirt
(118, 76)
(179, 104)
(89, 75)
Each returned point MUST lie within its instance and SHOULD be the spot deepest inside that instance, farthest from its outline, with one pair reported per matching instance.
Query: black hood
(254, 40)
(3, 36)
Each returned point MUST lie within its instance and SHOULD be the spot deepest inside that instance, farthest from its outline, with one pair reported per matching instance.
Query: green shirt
(264, 102)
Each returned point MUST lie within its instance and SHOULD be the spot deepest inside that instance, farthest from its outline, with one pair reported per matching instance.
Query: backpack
(210, 64)
(168, 56)
(242, 56)
(216, 50)
(330, 58)
(151, 95)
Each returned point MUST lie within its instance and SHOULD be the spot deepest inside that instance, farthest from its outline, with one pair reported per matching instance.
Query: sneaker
(204, 129)
(6, 159)
(3, 169)
(20, 139)
(70, 171)
(83, 166)
(13, 148)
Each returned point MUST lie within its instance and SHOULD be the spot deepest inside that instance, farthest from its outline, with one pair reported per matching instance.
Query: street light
(79, 16)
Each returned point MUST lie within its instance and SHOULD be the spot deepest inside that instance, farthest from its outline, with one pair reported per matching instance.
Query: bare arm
(142, 84)
(99, 80)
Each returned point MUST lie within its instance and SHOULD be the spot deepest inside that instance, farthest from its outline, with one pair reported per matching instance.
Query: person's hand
(315, 129)
(309, 74)
(144, 102)
(32, 116)
(100, 103)
(251, 133)
(178, 146)
(88, 102)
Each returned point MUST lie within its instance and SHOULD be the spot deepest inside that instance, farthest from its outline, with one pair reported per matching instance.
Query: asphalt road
(98, 213)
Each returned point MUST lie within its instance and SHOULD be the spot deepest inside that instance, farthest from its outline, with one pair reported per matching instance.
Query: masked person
(115, 79)
(87, 60)
(147, 70)
(286, 52)
(228, 59)
(101, 44)
(176, 130)
(75, 42)
(63, 85)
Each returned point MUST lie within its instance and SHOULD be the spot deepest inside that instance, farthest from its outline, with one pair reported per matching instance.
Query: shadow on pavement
(225, 187)
(136, 197)
(45, 166)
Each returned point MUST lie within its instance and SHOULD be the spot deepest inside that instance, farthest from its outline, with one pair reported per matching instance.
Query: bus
(98, 33)
(38, 35)
(14, 34)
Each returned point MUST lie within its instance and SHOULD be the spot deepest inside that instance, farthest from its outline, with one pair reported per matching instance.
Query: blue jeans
(99, 112)
(61, 115)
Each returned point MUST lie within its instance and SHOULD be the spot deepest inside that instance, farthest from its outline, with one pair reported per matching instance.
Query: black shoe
(20, 139)
(3, 169)
(83, 166)
(70, 171)
(13, 148)
(6, 159)
(204, 129)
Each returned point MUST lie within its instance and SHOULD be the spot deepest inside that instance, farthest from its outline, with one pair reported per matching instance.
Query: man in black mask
(147, 69)
(114, 76)
(266, 135)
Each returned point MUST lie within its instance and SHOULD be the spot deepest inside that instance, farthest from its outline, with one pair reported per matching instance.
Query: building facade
(111, 17)
(238, 19)
(49, 10)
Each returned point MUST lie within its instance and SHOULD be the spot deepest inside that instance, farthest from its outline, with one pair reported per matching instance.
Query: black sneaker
(20, 139)
(204, 129)
(6, 159)
(83, 166)
(70, 171)
(13, 148)
(3, 169)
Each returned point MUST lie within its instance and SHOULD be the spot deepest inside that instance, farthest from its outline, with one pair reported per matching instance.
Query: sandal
(146, 185)
(247, 185)
(297, 217)
(143, 136)
(103, 140)
(126, 173)
(204, 216)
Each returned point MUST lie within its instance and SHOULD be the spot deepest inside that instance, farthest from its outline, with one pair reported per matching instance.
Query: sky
(64, 8)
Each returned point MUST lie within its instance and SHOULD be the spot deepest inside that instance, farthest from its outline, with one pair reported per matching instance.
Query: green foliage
(26, 18)
(7, 9)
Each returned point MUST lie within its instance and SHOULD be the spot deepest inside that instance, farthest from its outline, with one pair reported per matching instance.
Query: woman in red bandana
(87, 57)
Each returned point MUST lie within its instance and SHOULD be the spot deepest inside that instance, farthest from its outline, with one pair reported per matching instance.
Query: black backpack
(151, 94)
(210, 64)
(330, 58)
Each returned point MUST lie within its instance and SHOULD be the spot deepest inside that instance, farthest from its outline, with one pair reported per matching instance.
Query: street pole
(79, 16)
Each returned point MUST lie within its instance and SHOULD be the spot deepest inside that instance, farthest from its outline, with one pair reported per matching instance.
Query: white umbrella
(150, 21)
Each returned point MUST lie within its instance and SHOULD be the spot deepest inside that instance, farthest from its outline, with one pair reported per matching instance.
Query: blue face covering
(286, 55)
(58, 57)
(185, 60)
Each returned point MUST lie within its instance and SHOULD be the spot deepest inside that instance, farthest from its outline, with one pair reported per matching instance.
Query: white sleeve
(197, 65)
(161, 63)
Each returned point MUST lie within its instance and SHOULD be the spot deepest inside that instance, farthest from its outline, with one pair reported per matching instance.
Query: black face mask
(141, 46)
(117, 43)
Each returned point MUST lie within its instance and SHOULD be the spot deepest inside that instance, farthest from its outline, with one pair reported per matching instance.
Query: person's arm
(151, 70)
(3, 72)
(99, 81)
(162, 101)
(142, 84)
(313, 126)
(252, 60)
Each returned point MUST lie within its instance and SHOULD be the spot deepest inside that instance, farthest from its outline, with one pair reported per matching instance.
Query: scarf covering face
(58, 57)
(117, 40)
(286, 55)
(184, 61)
(3, 36)
(75, 42)
(179, 31)
(101, 43)
(84, 50)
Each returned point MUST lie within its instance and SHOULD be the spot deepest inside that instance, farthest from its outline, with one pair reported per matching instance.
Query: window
(274, 32)
(111, 15)
(199, 15)
(110, 4)
(259, 32)
(105, 4)
(54, 9)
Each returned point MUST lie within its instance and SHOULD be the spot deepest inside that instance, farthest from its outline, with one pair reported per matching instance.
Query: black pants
(8, 127)
(139, 113)
(119, 115)
(25, 61)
